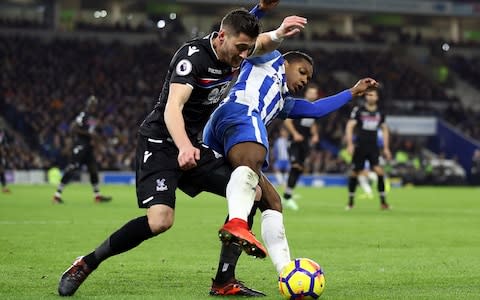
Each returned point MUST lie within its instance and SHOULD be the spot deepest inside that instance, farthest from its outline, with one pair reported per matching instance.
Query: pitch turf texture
(427, 247)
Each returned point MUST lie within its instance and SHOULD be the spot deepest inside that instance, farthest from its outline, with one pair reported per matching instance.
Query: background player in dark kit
(169, 154)
(368, 119)
(304, 133)
(84, 130)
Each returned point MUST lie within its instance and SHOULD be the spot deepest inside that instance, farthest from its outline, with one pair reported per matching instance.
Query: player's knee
(244, 174)
(298, 167)
(160, 219)
(379, 171)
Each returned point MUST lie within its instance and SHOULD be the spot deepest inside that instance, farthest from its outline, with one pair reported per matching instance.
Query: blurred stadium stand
(56, 53)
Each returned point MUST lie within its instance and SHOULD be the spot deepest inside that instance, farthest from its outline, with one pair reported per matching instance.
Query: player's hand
(290, 26)
(297, 137)
(267, 5)
(387, 153)
(350, 149)
(315, 139)
(187, 157)
(362, 85)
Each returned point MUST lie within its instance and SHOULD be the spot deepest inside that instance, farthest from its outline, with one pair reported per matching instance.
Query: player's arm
(262, 7)
(301, 108)
(269, 41)
(349, 135)
(76, 129)
(386, 142)
(177, 97)
(314, 133)
(297, 137)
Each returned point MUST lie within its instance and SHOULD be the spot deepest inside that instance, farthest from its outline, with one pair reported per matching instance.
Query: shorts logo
(146, 155)
(161, 186)
(184, 67)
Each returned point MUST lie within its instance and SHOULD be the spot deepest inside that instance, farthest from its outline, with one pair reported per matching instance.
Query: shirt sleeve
(186, 65)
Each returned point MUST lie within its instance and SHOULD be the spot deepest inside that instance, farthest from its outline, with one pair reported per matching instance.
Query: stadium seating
(43, 93)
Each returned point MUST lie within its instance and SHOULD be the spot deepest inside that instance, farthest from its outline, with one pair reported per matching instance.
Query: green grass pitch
(427, 247)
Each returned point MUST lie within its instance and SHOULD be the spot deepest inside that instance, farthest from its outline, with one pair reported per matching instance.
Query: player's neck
(371, 107)
(215, 43)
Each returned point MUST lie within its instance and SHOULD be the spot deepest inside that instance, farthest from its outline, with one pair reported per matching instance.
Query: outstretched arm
(300, 108)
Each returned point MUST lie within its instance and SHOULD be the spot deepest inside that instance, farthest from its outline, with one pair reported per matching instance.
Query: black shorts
(82, 155)
(158, 175)
(362, 154)
(298, 152)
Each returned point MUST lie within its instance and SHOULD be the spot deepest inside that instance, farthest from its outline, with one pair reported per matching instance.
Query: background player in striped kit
(281, 165)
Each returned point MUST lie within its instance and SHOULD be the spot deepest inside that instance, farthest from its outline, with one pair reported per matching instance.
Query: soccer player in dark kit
(304, 133)
(368, 119)
(85, 137)
(169, 154)
(3, 161)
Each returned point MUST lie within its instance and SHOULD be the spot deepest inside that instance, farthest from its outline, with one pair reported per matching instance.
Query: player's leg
(358, 163)
(247, 159)
(373, 157)
(273, 229)
(363, 181)
(3, 180)
(78, 156)
(298, 154)
(93, 172)
(381, 187)
(68, 174)
(193, 182)
(152, 162)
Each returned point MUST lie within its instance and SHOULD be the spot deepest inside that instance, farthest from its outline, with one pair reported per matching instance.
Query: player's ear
(221, 35)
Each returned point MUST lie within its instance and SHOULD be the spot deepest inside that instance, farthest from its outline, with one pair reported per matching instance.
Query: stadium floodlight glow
(161, 24)
(445, 47)
(103, 13)
(173, 16)
(97, 14)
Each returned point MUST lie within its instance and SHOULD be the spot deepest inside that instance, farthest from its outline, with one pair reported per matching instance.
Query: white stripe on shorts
(257, 130)
(155, 141)
(147, 200)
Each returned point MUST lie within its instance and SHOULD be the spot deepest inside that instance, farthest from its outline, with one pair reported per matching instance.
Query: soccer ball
(302, 278)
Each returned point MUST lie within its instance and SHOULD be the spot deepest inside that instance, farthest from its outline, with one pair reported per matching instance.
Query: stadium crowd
(42, 94)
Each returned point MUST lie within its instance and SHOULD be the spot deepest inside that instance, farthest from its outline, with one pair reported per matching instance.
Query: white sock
(362, 180)
(279, 177)
(241, 192)
(372, 176)
(274, 238)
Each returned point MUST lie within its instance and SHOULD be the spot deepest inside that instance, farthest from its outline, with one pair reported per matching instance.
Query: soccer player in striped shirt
(237, 129)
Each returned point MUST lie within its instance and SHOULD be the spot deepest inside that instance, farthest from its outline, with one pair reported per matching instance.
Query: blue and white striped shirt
(261, 85)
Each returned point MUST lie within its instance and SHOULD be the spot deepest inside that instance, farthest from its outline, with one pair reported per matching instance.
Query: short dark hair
(241, 21)
(292, 56)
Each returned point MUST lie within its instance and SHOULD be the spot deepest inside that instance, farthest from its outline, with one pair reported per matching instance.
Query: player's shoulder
(265, 58)
(198, 49)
